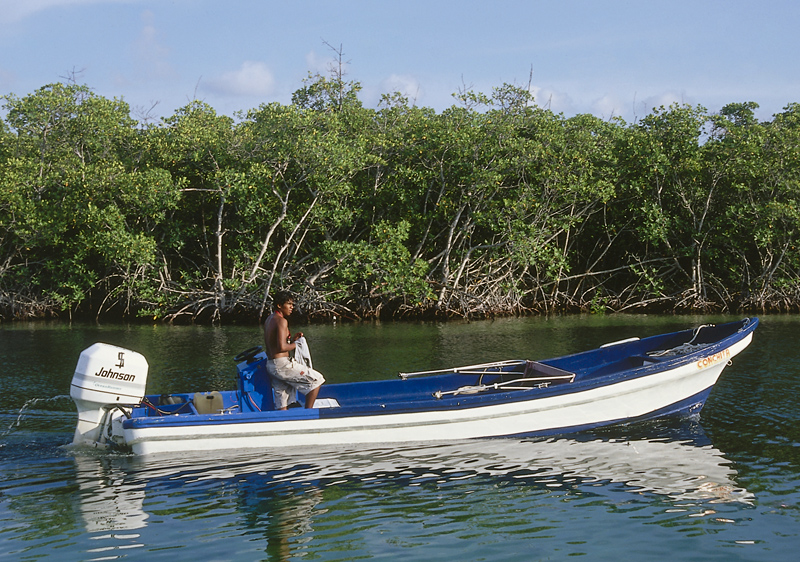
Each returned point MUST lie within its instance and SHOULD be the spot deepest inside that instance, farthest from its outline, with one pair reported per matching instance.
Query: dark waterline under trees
(493, 206)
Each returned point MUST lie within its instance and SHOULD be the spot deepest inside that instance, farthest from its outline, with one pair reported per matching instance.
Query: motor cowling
(106, 376)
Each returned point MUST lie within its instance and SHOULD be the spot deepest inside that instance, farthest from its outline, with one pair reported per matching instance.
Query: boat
(624, 381)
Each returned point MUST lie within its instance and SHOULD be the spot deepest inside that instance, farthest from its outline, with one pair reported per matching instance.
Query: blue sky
(608, 58)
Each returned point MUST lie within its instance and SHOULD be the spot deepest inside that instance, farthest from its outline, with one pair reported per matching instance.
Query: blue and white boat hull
(459, 404)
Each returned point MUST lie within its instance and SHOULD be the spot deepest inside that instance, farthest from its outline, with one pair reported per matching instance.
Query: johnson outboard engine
(108, 381)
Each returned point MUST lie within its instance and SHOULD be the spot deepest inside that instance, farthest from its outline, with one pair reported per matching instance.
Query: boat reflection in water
(114, 488)
(680, 470)
(109, 502)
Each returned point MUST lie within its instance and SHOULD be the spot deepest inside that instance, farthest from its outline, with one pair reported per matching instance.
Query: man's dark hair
(281, 297)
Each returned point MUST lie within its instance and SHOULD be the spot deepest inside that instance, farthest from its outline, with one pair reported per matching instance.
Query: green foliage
(494, 205)
(78, 211)
(322, 94)
(379, 268)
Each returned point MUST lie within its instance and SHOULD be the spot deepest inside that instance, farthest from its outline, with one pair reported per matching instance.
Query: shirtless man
(286, 373)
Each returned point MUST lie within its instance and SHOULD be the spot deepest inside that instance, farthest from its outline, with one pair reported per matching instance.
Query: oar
(404, 376)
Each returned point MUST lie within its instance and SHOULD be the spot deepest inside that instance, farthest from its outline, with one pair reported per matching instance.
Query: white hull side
(614, 402)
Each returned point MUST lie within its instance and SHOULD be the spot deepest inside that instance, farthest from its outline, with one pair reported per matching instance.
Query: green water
(725, 487)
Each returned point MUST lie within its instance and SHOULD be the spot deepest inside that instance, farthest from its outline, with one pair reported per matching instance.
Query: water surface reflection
(286, 502)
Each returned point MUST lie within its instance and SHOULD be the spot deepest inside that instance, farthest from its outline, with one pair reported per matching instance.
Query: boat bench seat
(326, 403)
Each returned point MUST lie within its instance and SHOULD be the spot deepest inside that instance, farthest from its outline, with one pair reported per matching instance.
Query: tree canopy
(493, 206)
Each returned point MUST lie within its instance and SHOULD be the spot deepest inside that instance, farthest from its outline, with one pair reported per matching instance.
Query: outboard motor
(106, 379)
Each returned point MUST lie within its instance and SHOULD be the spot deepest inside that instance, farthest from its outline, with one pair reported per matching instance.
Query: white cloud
(609, 106)
(554, 100)
(614, 104)
(317, 64)
(665, 99)
(252, 78)
(325, 66)
(406, 85)
(151, 56)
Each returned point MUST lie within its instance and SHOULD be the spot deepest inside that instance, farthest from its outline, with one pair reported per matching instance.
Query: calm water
(726, 487)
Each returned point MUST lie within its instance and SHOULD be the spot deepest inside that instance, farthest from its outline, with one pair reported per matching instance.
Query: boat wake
(37, 414)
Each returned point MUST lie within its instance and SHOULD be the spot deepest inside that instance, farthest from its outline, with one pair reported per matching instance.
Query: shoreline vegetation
(495, 206)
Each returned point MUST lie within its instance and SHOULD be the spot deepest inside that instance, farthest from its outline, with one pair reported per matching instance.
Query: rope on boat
(690, 346)
(684, 348)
